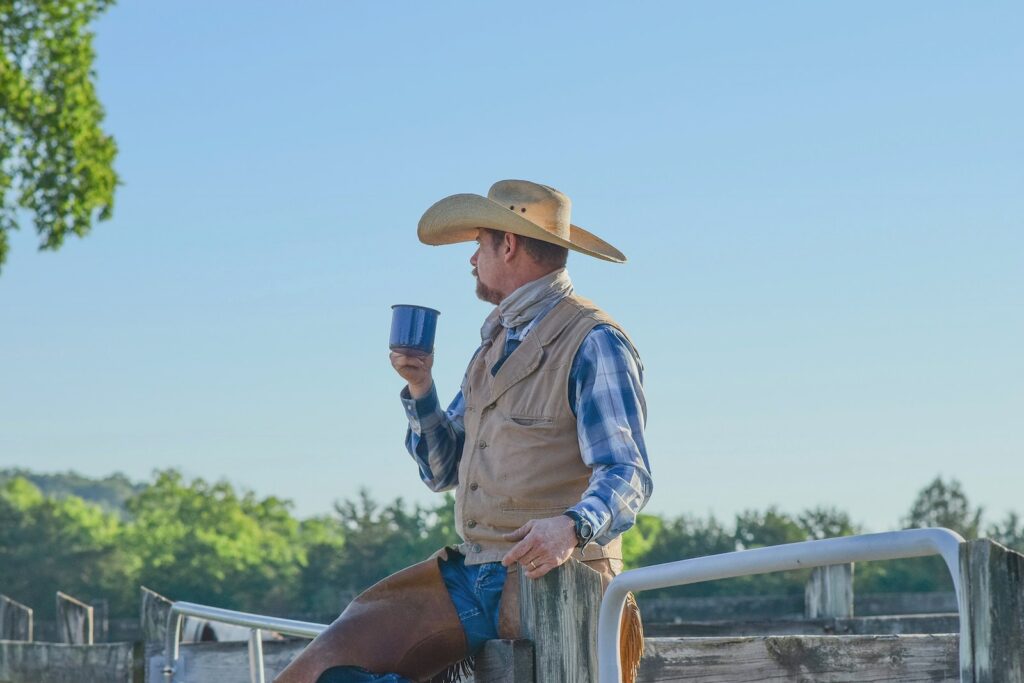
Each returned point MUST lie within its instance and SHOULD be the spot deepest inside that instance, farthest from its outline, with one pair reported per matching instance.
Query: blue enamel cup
(412, 329)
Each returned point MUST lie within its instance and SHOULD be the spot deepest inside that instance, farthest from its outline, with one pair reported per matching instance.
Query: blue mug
(413, 329)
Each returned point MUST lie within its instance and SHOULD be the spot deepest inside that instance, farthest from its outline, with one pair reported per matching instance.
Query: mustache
(474, 273)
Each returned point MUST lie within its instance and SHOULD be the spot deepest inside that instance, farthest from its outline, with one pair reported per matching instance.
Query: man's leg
(474, 592)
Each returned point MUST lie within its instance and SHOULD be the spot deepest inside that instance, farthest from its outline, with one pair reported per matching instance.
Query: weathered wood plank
(994, 590)
(558, 613)
(501, 661)
(836, 659)
(829, 592)
(59, 663)
(725, 607)
(225, 662)
(153, 611)
(504, 661)
(15, 620)
(890, 625)
(74, 620)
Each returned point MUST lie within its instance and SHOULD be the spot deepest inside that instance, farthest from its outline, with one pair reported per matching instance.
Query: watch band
(582, 526)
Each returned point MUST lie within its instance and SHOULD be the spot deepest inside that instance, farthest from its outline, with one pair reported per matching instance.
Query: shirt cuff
(424, 413)
(595, 511)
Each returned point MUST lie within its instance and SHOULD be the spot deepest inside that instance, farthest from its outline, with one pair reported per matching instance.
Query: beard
(485, 293)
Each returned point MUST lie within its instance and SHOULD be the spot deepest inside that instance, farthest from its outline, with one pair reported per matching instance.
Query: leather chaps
(407, 624)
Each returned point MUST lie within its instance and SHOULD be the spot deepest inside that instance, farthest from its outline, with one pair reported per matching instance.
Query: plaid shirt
(605, 391)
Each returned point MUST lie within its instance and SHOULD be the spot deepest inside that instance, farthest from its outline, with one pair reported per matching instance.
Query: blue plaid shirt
(605, 391)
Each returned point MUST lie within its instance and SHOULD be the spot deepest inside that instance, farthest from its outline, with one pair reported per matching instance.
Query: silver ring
(533, 565)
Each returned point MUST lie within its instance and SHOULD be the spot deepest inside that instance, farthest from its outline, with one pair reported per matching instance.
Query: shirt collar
(526, 304)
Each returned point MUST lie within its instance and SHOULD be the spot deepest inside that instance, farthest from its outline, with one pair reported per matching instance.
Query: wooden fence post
(829, 592)
(74, 621)
(559, 614)
(153, 612)
(994, 591)
(15, 620)
(101, 620)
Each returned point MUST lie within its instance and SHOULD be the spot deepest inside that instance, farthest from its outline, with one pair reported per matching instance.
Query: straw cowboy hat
(516, 206)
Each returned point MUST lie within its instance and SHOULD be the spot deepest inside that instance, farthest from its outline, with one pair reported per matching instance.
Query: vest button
(474, 486)
(471, 523)
(482, 444)
(476, 548)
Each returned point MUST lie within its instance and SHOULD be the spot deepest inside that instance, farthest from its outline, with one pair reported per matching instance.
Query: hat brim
(458, 218)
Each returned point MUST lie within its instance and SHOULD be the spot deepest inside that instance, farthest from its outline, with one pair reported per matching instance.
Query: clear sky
(821, 204)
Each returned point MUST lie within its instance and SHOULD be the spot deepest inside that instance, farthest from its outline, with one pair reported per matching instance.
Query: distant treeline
(210, 543)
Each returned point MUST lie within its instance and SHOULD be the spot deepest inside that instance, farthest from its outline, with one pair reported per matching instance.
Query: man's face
(487, 263)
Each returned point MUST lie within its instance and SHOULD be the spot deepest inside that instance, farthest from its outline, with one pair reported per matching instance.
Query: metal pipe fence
(256, 623)
(884, 546)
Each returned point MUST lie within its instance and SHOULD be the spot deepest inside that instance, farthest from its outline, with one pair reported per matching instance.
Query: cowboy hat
(516, 206)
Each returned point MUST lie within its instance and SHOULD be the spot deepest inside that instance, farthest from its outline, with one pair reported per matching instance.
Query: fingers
(538, 568)
(400, 361)
(519, 550)
(520, 533)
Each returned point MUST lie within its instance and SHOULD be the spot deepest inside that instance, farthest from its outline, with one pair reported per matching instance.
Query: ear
(511, 246)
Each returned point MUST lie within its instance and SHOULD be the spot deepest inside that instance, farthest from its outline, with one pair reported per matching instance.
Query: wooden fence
(560, 615)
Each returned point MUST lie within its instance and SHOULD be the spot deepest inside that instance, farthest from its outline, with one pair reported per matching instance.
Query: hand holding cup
(412, 345)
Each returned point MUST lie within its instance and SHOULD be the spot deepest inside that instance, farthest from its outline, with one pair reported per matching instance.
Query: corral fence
(829, 635)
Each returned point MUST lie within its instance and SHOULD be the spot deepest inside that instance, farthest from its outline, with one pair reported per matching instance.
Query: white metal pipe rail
(257, 623)
(884, 546)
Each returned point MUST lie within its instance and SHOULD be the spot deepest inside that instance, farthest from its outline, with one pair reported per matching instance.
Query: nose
(472, 259)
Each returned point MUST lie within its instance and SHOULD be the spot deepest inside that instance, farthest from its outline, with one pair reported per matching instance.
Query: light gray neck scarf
(527, 302)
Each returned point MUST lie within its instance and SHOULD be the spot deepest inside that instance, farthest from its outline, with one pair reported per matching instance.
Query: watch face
(585, 531)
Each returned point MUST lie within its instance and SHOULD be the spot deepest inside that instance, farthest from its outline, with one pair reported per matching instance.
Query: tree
(49, 544)
(945, 505)
(1010, 533)
(381, 540)
(55, 160)
(822, 522)
(206, 543)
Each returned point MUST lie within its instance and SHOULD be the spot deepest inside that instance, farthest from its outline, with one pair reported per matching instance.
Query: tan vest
(521, 458)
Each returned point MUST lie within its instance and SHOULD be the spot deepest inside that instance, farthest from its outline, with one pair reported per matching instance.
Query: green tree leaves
(55, 160)
(210, 543)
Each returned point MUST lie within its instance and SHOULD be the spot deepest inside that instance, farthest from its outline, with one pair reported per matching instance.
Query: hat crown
(543, 206)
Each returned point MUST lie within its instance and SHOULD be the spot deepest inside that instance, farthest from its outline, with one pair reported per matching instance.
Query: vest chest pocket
(530, 421)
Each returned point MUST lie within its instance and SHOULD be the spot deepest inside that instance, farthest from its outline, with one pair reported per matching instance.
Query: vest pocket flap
(536, 508)
(529, 420)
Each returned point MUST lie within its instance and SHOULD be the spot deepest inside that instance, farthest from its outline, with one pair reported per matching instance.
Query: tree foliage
(210, 543)
(56, 162)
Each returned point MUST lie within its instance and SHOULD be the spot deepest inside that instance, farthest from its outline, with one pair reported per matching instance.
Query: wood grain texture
(59, 663)
(835, 659)
(74, 620)
(504, 661)
(994, 589)
(224, 662)
(559, 615)
(753, 607)
(15, 620)
(829, 592)
(893, 625)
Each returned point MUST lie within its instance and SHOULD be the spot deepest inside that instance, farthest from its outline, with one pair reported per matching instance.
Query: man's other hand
(416, 370)
(543, 545)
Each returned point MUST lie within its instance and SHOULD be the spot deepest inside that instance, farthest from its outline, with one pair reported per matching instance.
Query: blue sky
(821, 204)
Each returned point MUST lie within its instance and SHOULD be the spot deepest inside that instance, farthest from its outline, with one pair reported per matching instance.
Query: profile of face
(487, 264)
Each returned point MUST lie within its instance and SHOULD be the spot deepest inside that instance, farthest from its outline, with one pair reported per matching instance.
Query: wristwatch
(584, 529)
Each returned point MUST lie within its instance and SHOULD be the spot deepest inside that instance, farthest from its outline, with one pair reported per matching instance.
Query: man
(543, 445)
